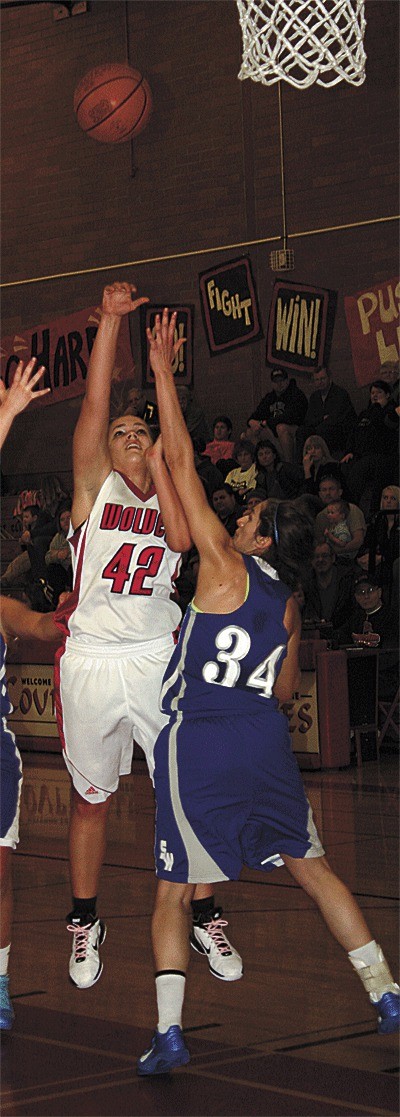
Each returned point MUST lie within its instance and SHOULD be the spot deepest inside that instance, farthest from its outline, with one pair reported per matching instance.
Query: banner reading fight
(63, 347)
(373, 322)
(229, 306)
(300, 326)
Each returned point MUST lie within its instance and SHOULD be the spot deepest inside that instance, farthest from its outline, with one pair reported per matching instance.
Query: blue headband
(275, 525)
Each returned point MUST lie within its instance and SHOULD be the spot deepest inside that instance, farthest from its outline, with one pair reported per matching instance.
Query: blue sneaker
(388, 1009)
(6, 1008)
(166, 1052)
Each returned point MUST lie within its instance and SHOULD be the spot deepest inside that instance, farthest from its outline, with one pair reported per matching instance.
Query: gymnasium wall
(202, 179)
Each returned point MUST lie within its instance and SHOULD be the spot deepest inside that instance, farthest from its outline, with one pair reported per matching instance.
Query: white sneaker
(209, 938)
(85, 966)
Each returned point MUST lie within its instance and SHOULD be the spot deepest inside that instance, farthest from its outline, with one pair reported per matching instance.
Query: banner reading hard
(63, 346)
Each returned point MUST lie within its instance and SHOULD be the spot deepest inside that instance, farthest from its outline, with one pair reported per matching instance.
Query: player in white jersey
(118, 629)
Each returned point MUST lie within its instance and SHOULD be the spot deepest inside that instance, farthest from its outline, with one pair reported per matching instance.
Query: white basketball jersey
(123, 569)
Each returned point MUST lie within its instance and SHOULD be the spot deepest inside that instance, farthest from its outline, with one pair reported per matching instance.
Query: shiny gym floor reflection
(295, 1036)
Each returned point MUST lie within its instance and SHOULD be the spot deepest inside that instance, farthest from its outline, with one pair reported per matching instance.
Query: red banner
(64, 348)
(374, 326)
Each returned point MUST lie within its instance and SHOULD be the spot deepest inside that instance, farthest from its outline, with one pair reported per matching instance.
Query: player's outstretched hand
(22, 388)
(118, 299)
(163, 348)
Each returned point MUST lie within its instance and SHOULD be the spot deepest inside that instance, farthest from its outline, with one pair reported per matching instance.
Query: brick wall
(205, 173)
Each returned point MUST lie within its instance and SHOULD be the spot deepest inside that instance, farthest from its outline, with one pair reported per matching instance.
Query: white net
(303, 41)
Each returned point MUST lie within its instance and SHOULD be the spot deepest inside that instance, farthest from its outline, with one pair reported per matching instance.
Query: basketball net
(303, 41)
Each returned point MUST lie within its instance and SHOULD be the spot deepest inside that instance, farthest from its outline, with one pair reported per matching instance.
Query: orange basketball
(113, 103)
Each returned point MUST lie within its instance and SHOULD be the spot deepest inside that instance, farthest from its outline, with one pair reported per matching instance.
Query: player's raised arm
(19, 395)
(16, 619)
(206, 529)
(174, 519)
(91, 458)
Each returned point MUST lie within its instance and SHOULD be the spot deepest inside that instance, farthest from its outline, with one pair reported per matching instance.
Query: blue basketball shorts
(10, 787)
(228, 793)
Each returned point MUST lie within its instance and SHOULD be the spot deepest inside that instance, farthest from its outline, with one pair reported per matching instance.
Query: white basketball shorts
(109, 697)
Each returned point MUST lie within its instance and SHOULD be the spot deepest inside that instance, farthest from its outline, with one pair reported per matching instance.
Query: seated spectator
(128, 399)
(37, 530)
(254, 497)
(58, 557)
(330, 490)
(330, 592)
(282, 480)
(316, 455)
(211, 477)
(195, 419)
(371, 452)
(225, 505)
(390, 373)
(282, 410)
(330, 413)
(383, 536)
(244, 476)
(138, 404)
(372, 623)
(221, 446)
(337, 531)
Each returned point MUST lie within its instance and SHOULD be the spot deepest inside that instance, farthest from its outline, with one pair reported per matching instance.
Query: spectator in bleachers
(282, 480)
(281, 410)
(221, 446)
(226, 507)
(316, 455)
(383, 537)
(211, 477)
(330, 413)
(58, 557)
(390, 372)
(244, 477)
(372, 623)
(330, 593)
(371, 457)
(330, 490)
(195, 419)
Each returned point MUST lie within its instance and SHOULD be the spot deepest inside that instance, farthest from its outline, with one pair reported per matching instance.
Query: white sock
(371, 966)
(370, 954)
(4, 955)
(170, 990)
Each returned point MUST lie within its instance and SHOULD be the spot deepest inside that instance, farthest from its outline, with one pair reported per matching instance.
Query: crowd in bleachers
(343, 466)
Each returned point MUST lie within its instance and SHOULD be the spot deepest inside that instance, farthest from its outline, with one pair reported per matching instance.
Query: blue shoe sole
(162, 1065)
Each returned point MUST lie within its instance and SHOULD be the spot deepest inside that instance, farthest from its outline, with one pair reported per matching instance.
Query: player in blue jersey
(228, 787)
(15, 620)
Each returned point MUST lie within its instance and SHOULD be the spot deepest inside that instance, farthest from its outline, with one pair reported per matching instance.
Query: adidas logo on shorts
(91, 791)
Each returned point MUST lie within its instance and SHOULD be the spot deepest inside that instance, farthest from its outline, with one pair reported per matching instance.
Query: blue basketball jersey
(227, 662)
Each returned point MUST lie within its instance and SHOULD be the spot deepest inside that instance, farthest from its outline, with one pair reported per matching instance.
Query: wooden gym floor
(295, 1036)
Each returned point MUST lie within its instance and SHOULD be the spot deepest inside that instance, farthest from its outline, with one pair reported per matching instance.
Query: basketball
(112, 103)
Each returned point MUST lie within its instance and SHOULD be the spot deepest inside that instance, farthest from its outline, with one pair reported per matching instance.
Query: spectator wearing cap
(282, 410)
(255, 496)
(330, 489)
(330, 413)
(371, 618)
